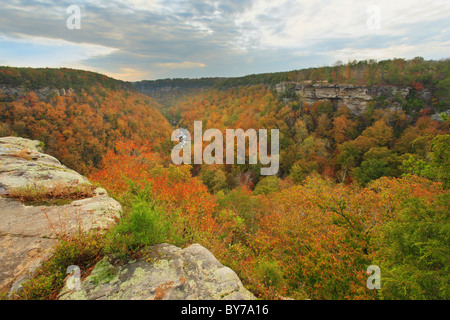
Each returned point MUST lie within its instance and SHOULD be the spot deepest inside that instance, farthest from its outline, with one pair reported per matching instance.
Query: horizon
(153, 40)
(218, 77)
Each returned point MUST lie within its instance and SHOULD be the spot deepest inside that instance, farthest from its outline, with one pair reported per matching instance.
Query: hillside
(62, 78)
(401, 73)
(363, 177)
(78, 115)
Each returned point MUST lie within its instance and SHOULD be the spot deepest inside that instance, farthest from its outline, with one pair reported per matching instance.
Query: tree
(415, 251)
(438, 165)
(267, 185)
(343, 129)
(378, 162)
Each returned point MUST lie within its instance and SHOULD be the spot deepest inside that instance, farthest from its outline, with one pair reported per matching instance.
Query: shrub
(267, 185)
(144, 226)
(415, 251)
(270, 272)
(83, 250)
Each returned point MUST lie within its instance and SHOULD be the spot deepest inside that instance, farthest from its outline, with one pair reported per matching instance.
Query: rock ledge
(164, 272)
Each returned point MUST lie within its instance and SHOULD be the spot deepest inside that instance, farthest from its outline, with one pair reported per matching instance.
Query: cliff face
(42, 93)
(355, 97)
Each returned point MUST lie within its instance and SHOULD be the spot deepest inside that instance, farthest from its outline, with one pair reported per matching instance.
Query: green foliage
(269, 272)
(62, 78)
(244, 207)
(144, 226)
(415, 251)
(267, 185)
(378, 162)
(289, 92)
(297, 173)
(438, 165)
(83, 250)
(440, 159)
(214, 179)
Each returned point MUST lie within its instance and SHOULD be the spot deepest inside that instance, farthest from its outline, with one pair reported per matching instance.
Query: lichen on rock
(173, 273)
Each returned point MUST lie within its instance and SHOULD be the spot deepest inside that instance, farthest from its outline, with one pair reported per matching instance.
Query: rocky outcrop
(355, 97)
(42, 93)
(22, 163)
(163, 272)
(27, 233)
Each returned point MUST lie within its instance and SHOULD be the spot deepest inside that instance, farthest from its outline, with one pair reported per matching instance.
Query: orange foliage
(173, 187)
(80, 128)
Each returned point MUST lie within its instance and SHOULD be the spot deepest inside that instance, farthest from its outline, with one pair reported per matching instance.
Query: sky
(156, 39)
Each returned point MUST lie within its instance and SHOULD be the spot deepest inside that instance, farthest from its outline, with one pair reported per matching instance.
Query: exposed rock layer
(355, 97)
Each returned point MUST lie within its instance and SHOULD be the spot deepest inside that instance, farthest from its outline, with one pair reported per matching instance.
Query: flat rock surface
(22, 163)
(164, 272)
(28, 233)
(55, 221)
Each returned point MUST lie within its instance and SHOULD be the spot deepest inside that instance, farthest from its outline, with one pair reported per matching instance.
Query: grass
(24, 154)
(58, 194)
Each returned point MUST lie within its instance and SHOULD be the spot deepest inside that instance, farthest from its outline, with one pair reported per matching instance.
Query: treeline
(396, 72)
(62, 78)
(184, 83)
(417, 73)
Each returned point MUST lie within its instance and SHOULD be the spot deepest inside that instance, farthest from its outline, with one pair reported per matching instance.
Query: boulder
(163, 272)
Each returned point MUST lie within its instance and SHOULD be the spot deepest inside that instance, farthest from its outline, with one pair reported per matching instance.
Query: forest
(353, 190)
(416, 72)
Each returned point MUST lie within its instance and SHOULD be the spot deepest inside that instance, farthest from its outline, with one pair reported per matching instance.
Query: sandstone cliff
(42, 93)
(28, 232)
(355, 97)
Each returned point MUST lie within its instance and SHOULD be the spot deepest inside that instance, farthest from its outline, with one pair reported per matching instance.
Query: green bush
(415, 252)
(145, 226)
(270, 273)
(267, 185)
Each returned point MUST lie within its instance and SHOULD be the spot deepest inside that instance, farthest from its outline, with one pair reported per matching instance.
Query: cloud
(25, 51)
(299, 24)
(199, 38)
(127, 74)
(433, 49)
(181, 65)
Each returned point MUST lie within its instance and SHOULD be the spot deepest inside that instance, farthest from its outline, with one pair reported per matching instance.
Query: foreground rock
(28, 233)
(22, 163)
(164, 272)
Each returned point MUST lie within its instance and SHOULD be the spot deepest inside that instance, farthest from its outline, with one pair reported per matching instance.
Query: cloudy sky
(153, 39)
